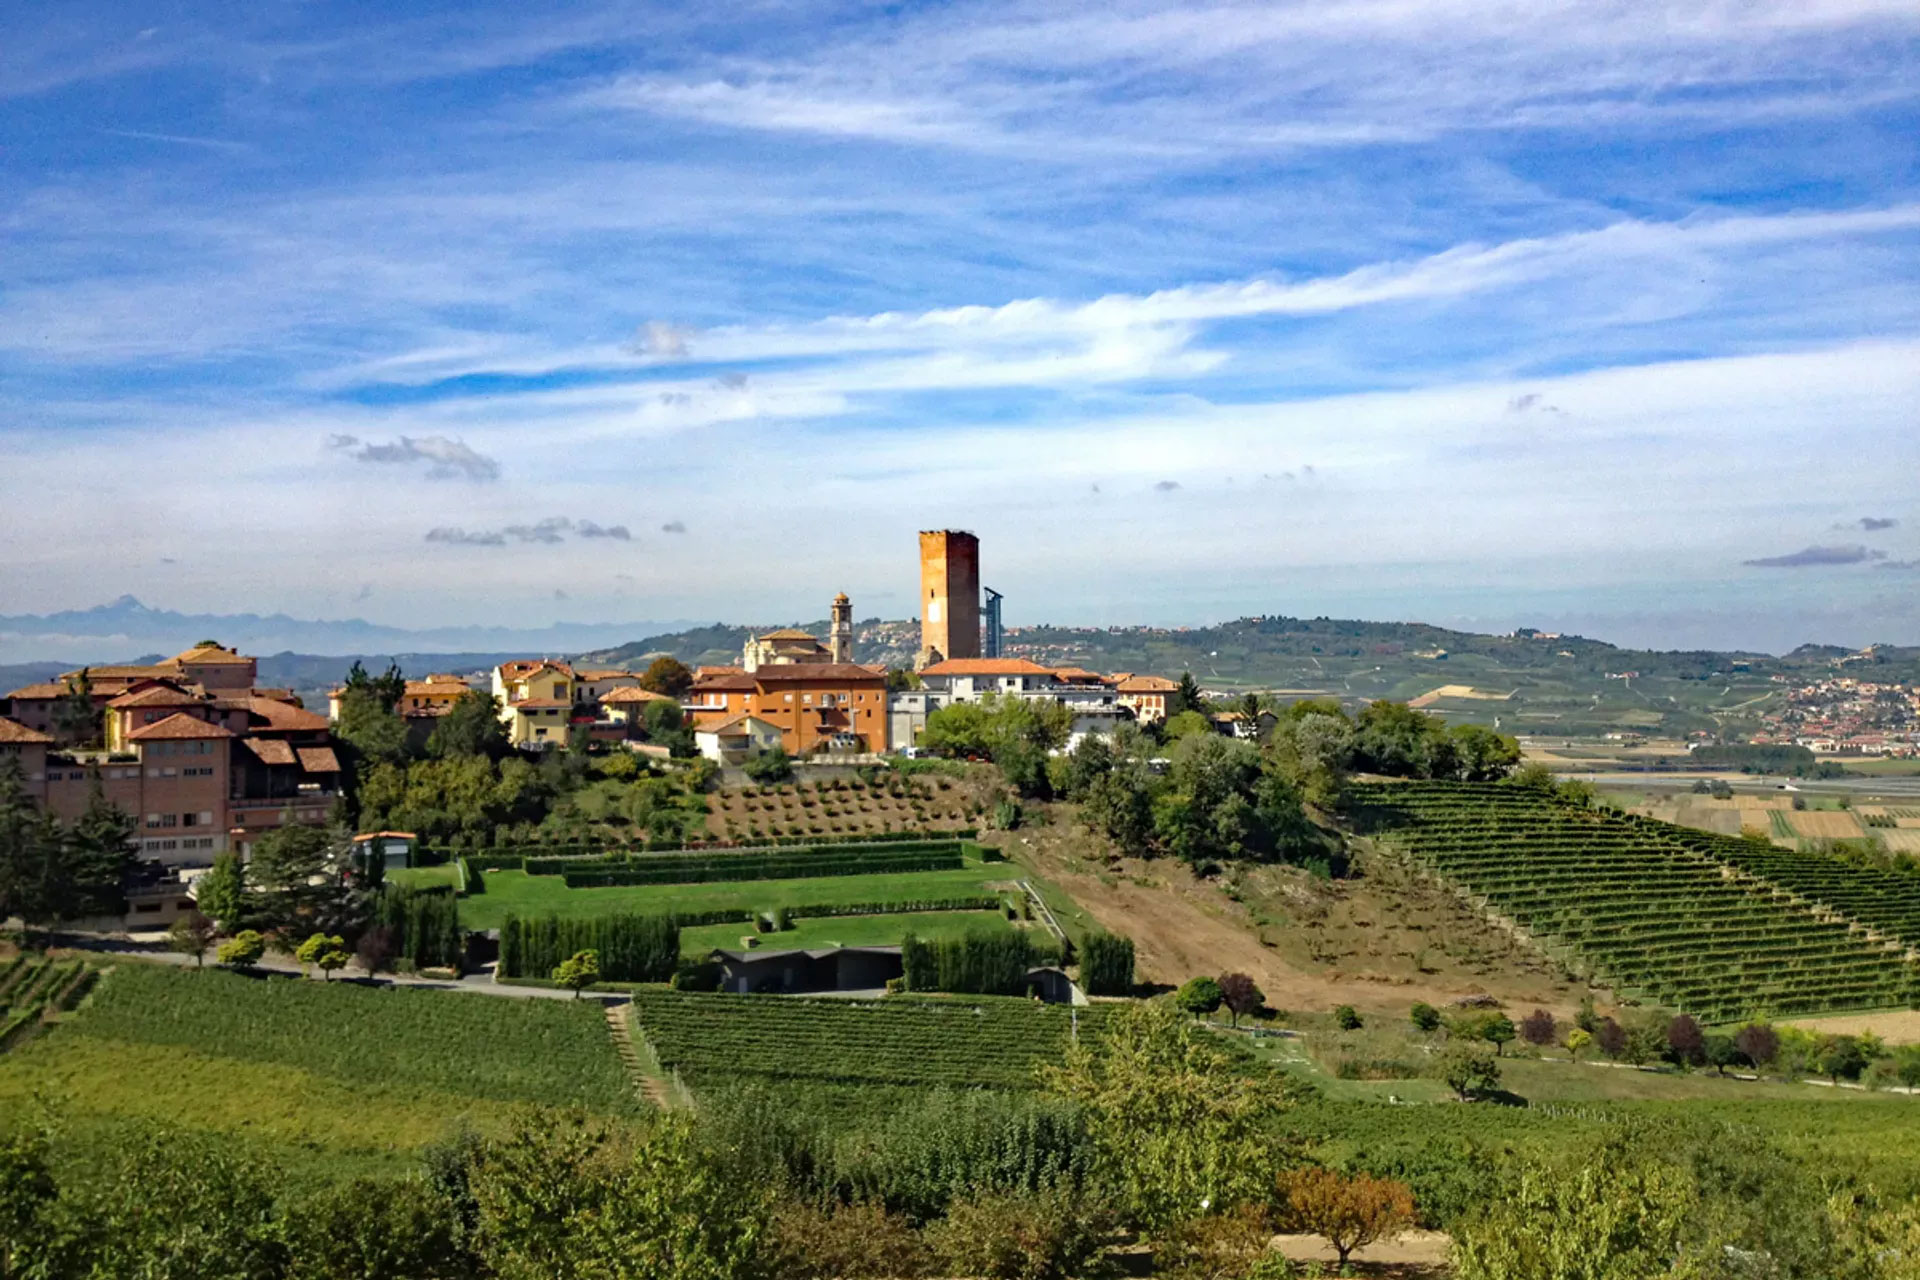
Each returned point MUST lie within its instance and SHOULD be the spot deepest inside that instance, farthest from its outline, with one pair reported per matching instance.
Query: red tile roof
(819, 673)
(727, 682)
(176, 726)
(319, 760)
(207, 655)
(732, 722)
(1148, 684)
(541, 704)
(635, 695)
(521, 668)
(283, 717)
(34, 692)
(270, 750)
(14, 731)
(986, 667)
(154, 695)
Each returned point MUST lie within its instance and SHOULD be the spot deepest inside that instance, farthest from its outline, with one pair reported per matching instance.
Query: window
(560, 691)
(189, 820)
(153, 819)
(206, 817)
(168, 773)
(169, 820)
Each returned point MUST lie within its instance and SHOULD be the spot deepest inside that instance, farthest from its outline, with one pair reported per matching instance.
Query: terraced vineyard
(983, 1042)
(1645, 907)
(34, 987)
(1885, 901)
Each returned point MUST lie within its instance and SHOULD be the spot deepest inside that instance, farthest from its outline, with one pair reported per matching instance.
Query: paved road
(478, 983)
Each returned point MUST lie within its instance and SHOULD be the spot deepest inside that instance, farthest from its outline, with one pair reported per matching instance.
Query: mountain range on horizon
(127, 628)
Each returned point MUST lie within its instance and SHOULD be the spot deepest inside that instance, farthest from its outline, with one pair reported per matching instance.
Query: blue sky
(1476, 313)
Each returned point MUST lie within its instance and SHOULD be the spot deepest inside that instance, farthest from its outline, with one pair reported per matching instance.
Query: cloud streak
(549, 532)
(1817, 558)
(445, 459)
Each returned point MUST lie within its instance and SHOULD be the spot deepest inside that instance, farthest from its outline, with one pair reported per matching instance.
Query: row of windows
(164, 846)
(202, 819)
(179, 749)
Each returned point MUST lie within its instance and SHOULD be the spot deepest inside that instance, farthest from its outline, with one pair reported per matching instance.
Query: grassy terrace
(847, 931)
(517, 893)
(1644, 907)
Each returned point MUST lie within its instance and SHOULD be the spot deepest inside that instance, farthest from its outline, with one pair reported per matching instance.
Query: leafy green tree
(221, 891)
(1424, 1016)
(1312, 752)
(1497, 1030)
(1347, 1018)
(1468, 1068)
(27, 1194)
(391, 1228)
(1397, 740)
(243, 950)
(770, 766)
(1199, 996)
(1841, 1058)
(1173, 1121)
(332, 961)
(1187, 724)
(1577, 1042)
(1482, 754)
(471, 727)
(298, 886)
(566, 1199)
(1721, 1052)
(578, 972)
(1089, 761)
(665, 725)
(668, 675)
(1119, 805)
(191, 935)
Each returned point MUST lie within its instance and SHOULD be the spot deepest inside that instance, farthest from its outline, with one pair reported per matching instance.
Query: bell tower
(840, 637)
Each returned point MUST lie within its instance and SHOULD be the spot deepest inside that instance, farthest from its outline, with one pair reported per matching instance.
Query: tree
(191, 935)
(1646, 1037)
(221, 891)
(1539, 1029)
(1686, 1043)
(1186, 696)
(298, 887)
(1424, 1016)
(316, 945)
(1347, 1018)
(471, 727)
(1199, 996)
(76, 721)
(243, 950)
(769, 766)
(665, 725)
(1721, 1052)
(578, 972)
(1348, 1210)
(376, 948)
(1172, 1118)
(333, 960)
(1758, 1043)
(1481, 754)
(1842, 1058)
(102, 854)
(1586, 1017)
(1496, 1029)
(1611, 1037)
(1241, 996)
(668, 675)
(1577, 1042)
(1467, 1068)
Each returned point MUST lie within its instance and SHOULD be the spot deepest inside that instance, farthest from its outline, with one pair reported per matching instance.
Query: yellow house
(536, 701)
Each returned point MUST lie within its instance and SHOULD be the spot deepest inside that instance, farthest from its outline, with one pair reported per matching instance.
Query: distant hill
(125, 628)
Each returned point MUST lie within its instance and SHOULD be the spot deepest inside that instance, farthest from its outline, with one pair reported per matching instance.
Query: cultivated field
(1657, 912)
(353, 1076)
(845, 806)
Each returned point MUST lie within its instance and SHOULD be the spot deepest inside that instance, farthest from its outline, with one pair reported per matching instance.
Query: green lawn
(517, 893)
(425, 877)
(849, 931)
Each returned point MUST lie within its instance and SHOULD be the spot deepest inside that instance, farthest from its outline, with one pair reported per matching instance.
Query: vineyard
(785, 864)
(1662, 914)
(971, 1043)
(35, 988)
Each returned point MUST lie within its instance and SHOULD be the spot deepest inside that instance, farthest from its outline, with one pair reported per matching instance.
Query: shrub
(1539, 1029)
(855, 1241)
(1686, 1043)
(243, 950)
(1347, 1018)
(1758, 1043)
(1048, 1235)
(1611, 1037)
(1424, 1016)
(1467, 1068)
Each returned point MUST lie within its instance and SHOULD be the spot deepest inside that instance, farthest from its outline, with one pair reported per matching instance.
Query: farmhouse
(825, 969)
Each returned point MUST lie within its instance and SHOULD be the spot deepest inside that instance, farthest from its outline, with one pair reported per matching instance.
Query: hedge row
(469, 880)
(1106, 964)
(509, 859)
(425, 923)
(770, 868)
(631, 948)
(980, 963)
(649, 861)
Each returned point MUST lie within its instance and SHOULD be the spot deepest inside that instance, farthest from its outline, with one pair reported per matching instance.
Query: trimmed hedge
(471, 882)
(1106, 964)
(980, 963)
(632, 948)
(705, 870)
(510, 858)
(426, 924)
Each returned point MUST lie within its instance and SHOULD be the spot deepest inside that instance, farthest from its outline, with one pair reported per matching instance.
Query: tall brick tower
(840, 637)
(949, 595)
